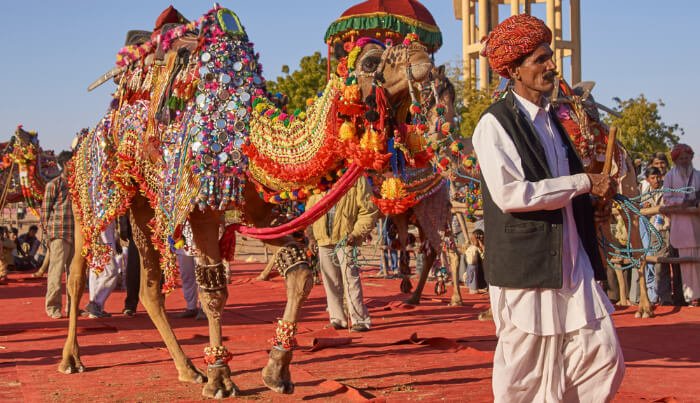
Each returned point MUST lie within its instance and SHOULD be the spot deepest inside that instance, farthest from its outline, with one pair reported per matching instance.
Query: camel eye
(370, 63)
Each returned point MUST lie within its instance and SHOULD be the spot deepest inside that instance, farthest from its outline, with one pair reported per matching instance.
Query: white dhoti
(690, 274)
(585, 365)
(189, 283)
(101, 285)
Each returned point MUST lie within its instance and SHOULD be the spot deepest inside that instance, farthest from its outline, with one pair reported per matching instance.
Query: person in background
(186, 263)
(474, 256)
(389, 263)
(685, 228)
(133, 267)
(58, 223)
(350, 220)
(27, 246)
(102, 284)
(658, 161)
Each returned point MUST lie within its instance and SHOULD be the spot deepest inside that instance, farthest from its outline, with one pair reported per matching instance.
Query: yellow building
(480, 16)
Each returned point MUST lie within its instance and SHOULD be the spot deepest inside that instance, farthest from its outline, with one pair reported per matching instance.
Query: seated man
(27, 247)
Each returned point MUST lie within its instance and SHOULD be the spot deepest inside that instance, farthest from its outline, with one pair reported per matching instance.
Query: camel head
(437, 98)
(396, 68)
(578, 112)
(25, 138)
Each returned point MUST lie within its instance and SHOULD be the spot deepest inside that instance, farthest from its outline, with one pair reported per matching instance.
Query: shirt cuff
(581, 183)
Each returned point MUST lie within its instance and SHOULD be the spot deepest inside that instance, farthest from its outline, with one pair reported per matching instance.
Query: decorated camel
(25, 169)
(190, 134)
(413, 189)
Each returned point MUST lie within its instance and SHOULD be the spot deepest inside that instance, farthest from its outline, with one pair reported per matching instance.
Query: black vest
(523, 250)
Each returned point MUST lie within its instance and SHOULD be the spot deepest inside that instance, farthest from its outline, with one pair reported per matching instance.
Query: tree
(470, 101)
(640, 128)
(301, 84)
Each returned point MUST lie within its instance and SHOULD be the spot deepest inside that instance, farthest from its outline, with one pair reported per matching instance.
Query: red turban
(679, 149)
(515, 37)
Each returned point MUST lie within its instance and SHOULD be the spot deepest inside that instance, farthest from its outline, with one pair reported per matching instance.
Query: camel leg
(298, 277)
(454, 269)
(623, 290)
(210, 273)
(267, 271)
(401, 222)
(150, 291)
(70, 362)
(44, 266)
(486, 315)
(427, 266)
(645, 309)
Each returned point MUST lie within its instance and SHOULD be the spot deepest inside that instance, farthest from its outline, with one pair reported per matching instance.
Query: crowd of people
(672, 284)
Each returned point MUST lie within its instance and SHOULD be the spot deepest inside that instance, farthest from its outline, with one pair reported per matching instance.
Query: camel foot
(191, 374)
(414, 300)
(486, 315)
(625, 302)
(219, 384)
(405, 285)
(456, 301)
(71, 365)
(261, 278)
(644, 312)
(276, 375)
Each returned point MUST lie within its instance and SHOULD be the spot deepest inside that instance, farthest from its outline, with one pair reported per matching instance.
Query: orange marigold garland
(394, 197)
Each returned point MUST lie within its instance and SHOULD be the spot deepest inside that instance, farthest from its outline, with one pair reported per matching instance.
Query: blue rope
(630, 207)
(467, 177)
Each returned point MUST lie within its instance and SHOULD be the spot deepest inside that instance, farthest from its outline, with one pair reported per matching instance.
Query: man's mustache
(550, 75)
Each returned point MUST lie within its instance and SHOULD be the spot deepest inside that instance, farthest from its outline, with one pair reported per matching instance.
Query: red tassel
(382, 106)
(227, 243)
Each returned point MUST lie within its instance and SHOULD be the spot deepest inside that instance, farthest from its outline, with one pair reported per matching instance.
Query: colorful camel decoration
(191, 134)
(25, 169)
(413, 190)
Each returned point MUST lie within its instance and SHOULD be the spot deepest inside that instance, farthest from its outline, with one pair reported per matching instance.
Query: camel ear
(339, 50)
(441, 70)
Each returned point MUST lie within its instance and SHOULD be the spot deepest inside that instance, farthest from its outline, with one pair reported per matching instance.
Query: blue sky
(52, 50)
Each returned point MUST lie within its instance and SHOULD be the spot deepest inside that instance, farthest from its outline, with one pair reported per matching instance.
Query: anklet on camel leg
(284, 335)
(218, 356)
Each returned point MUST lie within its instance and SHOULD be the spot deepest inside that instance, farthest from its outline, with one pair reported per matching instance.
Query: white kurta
(580, 301)
(554, 344)
(685, 228)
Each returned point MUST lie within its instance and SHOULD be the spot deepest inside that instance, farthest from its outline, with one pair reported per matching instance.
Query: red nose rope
(227, 243)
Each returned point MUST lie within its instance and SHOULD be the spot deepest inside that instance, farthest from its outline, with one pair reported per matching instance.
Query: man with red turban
(685, 228)
(556, 340)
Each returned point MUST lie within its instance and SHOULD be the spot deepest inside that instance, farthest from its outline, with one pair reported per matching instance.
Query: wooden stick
(609, 151)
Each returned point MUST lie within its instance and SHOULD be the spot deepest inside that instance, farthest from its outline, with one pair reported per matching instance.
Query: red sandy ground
(449, 358)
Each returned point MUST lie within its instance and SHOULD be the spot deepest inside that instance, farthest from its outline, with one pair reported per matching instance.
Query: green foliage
(303, 83)
(640, 128)
(471, 102)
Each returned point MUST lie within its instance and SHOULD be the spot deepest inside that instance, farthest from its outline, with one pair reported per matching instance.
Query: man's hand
(353, 240)
(313, 245)
(602, 185)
